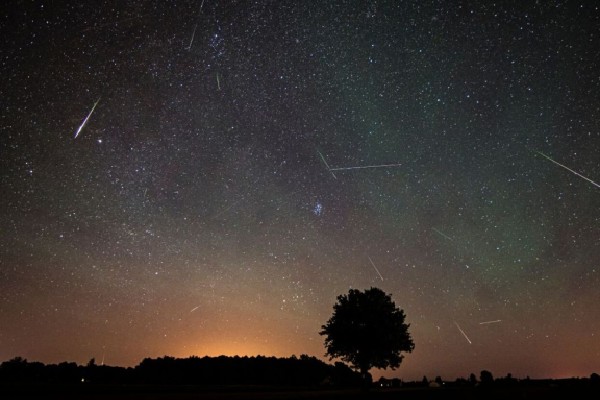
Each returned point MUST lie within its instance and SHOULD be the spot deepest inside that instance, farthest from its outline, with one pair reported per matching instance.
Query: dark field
(260, 392)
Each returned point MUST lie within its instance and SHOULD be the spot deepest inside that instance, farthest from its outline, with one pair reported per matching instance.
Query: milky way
(245, 162)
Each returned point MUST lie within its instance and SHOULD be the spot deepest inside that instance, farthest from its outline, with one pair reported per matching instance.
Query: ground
(249, 392)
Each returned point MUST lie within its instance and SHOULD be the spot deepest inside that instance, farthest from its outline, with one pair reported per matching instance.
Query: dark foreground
(571, 392)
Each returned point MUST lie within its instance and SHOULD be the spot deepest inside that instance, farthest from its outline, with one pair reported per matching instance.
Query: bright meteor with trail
(86, 119)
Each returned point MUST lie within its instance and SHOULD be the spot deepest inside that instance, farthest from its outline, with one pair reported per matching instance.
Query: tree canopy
(367, 330)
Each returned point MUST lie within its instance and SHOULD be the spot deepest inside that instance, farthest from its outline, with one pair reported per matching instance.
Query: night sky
(172, 179)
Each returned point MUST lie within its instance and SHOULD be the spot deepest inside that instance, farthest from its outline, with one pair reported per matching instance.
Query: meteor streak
(569, 169)
(193, 34)
(444, 235)
(373, 264)
(463, 333)
(327, 165)
(86, 119)
(365, 166)
(490, 322)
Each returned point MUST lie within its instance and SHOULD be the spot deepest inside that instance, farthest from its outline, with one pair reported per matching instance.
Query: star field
(205, 177)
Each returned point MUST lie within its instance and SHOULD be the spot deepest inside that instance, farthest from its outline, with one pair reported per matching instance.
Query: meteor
(443, 234)
(373, 264)
(463, 332)
(327, 165)
(365, 166)
(86, 119)
(490, 322)
(568, 169)
(192, 39)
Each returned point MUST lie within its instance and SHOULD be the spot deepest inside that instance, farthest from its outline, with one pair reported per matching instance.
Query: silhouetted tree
(486, 377)
(472, 379)
(304, 371)
(367, 330)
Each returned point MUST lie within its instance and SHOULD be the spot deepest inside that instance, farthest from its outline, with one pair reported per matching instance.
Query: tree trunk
(366, 378)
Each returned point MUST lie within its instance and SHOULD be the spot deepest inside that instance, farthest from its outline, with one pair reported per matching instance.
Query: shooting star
(463, 332)
(490, 322)
(218, 82)
(194, 309)
(373, 264)
(192, 40)
(86, 119)
(365, 166)
(327, 165)
(443, 234)
(569, 169)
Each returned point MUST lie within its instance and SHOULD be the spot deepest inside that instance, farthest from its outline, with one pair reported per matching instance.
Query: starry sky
(182, 178)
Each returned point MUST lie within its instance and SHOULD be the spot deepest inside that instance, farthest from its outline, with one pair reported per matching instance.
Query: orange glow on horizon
(231, 346)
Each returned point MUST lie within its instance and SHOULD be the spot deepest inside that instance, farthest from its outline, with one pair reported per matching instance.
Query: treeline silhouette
(304, 371)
